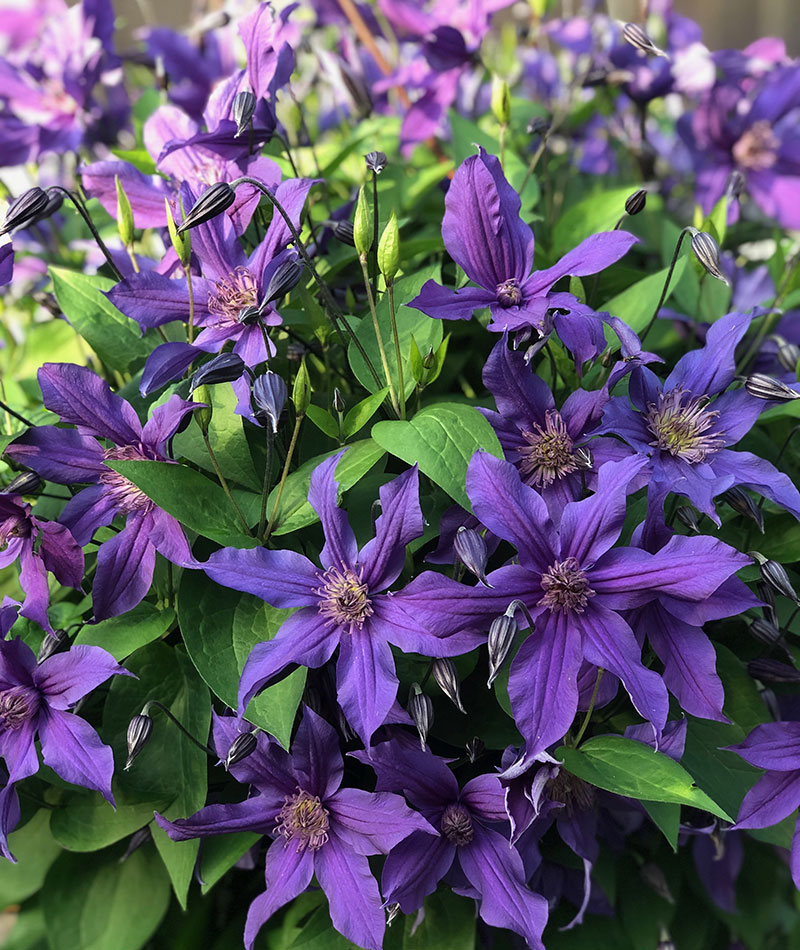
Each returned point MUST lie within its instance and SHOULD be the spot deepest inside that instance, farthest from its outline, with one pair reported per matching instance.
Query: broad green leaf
(636, 304)
(631, 768)
(138, 157)
(597, 212)
(667, 816)
(96, 902)
(220, 853)
(441, 440)
(196, 501)
(115, 338)
(448, 922)
(220, 627)
(725, 775)
(122, 635)
(323, 420)
(362, 412)
(35, 849)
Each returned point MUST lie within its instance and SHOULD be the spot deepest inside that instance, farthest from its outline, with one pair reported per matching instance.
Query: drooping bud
(343, 231)
(181, 244)
(214, 200)
(139, 730)
(55, 199)
(389, 250)
(339, 405)
(224, 368)
(767, 595)
(269, 396)
(203, 415)
(243, 745)
(635, 203)
(362, 224)
(706, 250)
(773, 671)
(502, 632)
(775, 575)
(470, 548)
(501, 100)
(124, 214)
(735, 185)
(376, 161)
(583, 458)
(632, 33)
(23, 211)
(475, 748)
(249, 316)
(285, 278)
(392, 910)
(244, 105)
(743, 504)
(787, 353)
(766, 632)
(420, 708)
(766, 387)
(538, 125)
(51, 643)
(301, 391)
(688, 518)
(25, 484)
(448, 681)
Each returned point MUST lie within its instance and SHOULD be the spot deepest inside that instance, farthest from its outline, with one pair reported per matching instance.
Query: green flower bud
(362, 224)
(301, 391)
(389, 250)
(202, 416)
(124, 214)
(501, 100)
(182, 243)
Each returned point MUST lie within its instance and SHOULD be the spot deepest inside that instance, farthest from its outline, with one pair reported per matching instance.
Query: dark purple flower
(685, 425)
(342, 603)
(319, 828)
(40, 546)
(6, 264)
(486, 237)
(79, 397)
(475, 858)
(35, 699)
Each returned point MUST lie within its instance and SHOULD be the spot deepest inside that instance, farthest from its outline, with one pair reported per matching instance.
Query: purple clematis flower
(685, 436)
(773, 746)
(486, 237)
(40, 546)
(342, 603)
(35, 699)
(6, 264)
(471, 853)
(319, 827)
(125, 563)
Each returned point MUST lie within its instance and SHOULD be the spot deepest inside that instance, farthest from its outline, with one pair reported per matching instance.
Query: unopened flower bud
(214, 200)
(471, 549)
(389, 250)
(475, 749)
(249, 316)
(448, 681)
(392, 910)
(688, 518)
(139, 730)
(301, 391)
(583, 458)
(124, 214)
(787, 353)
(501, 100)
(203, 414)
(706, 250)
(735, 185)
(538, 125)
(224, 368)
(636, 202)
(420, 708)
(24, 210)
(25, 484)
(766, 387)
(181, 243)
(244, 105)
(55, 199)
(285, 277)
(773, 671)
(362, 224)
(632, 33)
(339, 405)
(768, 633)
(502, 632)
(243, 745)
(767, 595)
(269, 396)
(429, 358)
(51, 643)
(775, 575)
(376, 161)
(343, 231)
(743, 504)
(137, 839)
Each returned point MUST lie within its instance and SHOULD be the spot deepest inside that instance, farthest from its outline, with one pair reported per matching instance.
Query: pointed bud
(475, 749)
(181, 244)
(124, 214)
(224, 368)
(249, 316)
(376, 161)
(470, 548)
(787, 353)
(339, 405)
(301, 391)
(775, 575)
(638, 39)
(139, 730)
(269, 396)
(743, 504)
(244, 105)
(688, 518)
(137, 839)
(285, 278)
(25, 484)
(538, 125)
(735, 185)
(343, 231)
(767, 595)
(214, 200)
(773, 671)
(636, 202)
(583, 458)
(765, 387)
(502, 632)
(389, 250)
(420, 708)
(448, 680)
(203, 415)
(392, 910)
(51, 643)
(243, 745)
(23, 211)
(706, 250)
(362, 224)
(501, 100)
(429, 358)
(766, 632)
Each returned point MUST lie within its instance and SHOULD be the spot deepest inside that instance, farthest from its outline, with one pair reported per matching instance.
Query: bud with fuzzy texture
(470, 548)
(139, 730)
(214, 200)
(224, 368)
(244, 105)
(420, 708)
(765, 387)
(635, 203)
(124, 214)
(242, 746)
(181, 244)
(51, 643)
(269, 396)
(24, 210)
(447, 679)
(389, 250)
(706, 250)
(501, 100)
(775, 575)
(301, 391)
(502, 632)
(25, 484)
(362, 224)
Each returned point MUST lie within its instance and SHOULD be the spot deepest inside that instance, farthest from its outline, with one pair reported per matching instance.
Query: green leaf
(220, 627)
(597, 212)
(632, 768)
(220, 853)
(441, 439)
(114, 337)
(635, 305)
(138, 157)
(196, 501)
(35, 849)
(724, 774)
(96, 902)
(323, 420)
(425, 330)
(667, 816)
(362, 412)
(122, 635)
(448, 922)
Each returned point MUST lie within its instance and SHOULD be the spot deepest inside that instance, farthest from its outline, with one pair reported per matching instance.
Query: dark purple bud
(471, 549)
(343, 231)
(767, 595)
(775, 575)
(743, 504)
(538, 125)
(632, 33)
(448, 680)
(688, 518)
(376, 161)
(249, 316)
(139, 730)
(735, 185)
(765, 387)
(244, 105)
(339, 405)
(392, 910)
(285, 278)
(23, 211)
(475, 749)
(765, 632)
(420, 708)
(502, 632)
(51, 643)
(636, 202)
(706, 250)
(583, 458)
(224, 368)
(212, 202)
(242, 746)
(54, 201)
(269, 396)
(787, 353)
(25, 484)
(773, 671)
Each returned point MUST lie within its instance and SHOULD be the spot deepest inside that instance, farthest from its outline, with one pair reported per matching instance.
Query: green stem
(187, 270)
(225, 486)
(373, 257)
(376, 325)
(265, 485)
(503, 131)
(400, 381)
(200, 745)
(16, 415)
(663, 296)
(590, 710)
(284, 475)
(83, 212)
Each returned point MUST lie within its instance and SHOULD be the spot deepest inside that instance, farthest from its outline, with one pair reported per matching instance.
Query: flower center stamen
(757, 148)
(344, 597)
(18, 704)
(548, 452)
(456, 824)
(509, 293)
(126, 495)
(572, 792)
(681, 422)
(566, 587)
(233, 294)
(304, 820)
